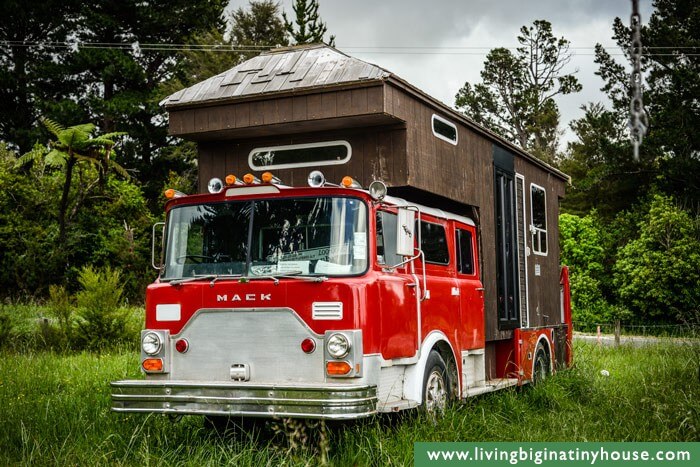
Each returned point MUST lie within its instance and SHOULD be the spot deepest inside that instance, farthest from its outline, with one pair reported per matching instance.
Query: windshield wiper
(204, 277)
(287, 275)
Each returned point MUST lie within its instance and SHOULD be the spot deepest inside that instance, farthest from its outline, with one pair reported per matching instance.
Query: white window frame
(536, 231)
(448, 123)
(300, 164)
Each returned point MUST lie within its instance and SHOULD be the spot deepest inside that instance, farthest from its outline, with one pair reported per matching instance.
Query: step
(491, 386)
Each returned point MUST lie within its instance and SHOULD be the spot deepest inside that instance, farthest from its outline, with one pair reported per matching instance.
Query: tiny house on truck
(382, 252)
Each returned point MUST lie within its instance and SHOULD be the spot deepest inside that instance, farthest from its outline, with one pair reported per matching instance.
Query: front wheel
(542, 368)
(436, 390)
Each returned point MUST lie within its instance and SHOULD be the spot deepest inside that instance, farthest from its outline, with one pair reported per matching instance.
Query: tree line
(85, 152)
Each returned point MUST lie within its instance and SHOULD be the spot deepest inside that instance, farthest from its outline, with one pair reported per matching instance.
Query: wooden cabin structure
(422, 149)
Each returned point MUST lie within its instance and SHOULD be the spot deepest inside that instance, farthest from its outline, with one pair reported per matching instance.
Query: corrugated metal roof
(285, 69)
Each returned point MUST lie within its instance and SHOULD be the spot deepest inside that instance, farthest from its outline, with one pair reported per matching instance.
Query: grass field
(55, 410)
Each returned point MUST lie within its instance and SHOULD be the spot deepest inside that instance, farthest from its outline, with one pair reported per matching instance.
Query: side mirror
(405, 230)
(159, 265)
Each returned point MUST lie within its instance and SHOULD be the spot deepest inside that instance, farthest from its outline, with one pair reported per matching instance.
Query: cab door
(398, 292)
(440, 307)
(471, 290)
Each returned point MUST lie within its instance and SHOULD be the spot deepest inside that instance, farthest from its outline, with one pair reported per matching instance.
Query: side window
(386, 239)
(434, 243)
(465, 254)
(538, 228)
(444, 129)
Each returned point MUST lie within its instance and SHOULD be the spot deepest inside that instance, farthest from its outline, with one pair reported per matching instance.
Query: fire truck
(427, 273)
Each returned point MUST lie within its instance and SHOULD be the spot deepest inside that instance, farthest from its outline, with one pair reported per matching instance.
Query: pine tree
(307, 27)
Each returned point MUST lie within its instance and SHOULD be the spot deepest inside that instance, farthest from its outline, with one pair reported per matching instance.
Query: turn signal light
(153, 364)
(349, 182)
(232, 179)
(267, 177)
(338, 368)
(249, 179)
(171, 193)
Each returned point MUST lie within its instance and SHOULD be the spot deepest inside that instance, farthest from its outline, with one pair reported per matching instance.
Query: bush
(101, 321)
(658, 273)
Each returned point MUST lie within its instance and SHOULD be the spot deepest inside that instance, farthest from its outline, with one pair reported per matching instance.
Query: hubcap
(435, 393)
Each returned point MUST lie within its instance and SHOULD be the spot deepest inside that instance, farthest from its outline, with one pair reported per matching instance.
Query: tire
(436, 386)
(542, 368)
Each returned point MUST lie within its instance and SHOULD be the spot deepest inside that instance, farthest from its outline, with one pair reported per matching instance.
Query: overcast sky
(391, 33)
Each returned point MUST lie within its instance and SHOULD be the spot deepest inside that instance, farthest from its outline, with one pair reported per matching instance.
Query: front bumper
(330, 401)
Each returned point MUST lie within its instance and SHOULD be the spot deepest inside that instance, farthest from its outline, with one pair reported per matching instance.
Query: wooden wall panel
(543, 293)
(369, 147)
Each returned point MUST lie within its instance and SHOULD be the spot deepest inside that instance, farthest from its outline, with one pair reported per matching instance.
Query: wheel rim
(540, 369)
(435, 393)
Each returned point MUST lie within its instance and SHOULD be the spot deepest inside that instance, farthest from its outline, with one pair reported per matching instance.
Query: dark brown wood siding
(285, 114)
(543, 289)
(377, 153)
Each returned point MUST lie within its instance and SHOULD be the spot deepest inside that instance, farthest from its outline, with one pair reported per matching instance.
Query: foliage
(28, 67)
(658, 273)
(672, 71)
(259, 27)
(61, 308)
(307, 27)
(581, 242)
(101, 321)
(112, 228)
(516, 96)
(72, 146)
(604, 176)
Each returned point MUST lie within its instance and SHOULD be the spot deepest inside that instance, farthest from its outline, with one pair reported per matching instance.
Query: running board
(491, 386)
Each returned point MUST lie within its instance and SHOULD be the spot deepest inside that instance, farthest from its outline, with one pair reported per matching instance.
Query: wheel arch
(415, 374)
(546, 344)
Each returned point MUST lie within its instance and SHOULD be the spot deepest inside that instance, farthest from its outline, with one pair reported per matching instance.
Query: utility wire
(383, 50)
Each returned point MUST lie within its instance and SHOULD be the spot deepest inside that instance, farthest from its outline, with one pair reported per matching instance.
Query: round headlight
(151, 343)
(338, 345)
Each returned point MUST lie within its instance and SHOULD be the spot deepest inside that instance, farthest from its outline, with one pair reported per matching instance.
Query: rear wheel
(436, 392)
(542, 368)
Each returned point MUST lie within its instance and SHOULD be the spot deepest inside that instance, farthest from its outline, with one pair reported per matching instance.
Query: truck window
(300, 155)
(434, 243)
(386, 239)
(465, 254)
(538, 229)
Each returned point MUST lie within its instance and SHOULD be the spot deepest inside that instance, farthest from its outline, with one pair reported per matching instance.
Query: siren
(316, 179)
(215, 185)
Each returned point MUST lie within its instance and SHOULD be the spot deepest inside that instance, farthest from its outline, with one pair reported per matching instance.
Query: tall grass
(55, 410)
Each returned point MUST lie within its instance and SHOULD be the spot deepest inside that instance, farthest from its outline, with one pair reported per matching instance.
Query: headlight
(338, 345)
(151, 343)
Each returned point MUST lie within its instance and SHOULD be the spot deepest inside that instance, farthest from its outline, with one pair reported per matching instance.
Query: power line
(381, 50)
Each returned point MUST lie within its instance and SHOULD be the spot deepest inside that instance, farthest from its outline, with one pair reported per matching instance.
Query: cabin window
(465, 253)
(433, 242)
(444, 129)
(538, 228)
(386, 239)
(300, 155)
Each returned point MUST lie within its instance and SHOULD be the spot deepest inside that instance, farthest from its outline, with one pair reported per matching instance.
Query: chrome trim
(330, 401)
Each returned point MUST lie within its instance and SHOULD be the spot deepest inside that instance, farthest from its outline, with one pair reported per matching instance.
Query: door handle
(479, 289)
(411, 284)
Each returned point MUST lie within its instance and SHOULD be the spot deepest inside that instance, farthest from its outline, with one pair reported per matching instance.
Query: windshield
(304, 236)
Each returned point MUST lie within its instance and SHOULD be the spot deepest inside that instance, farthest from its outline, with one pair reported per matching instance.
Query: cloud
(416, 39)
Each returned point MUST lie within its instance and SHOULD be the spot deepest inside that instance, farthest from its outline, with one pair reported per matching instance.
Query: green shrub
(101, 321)
(658, 273)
